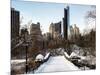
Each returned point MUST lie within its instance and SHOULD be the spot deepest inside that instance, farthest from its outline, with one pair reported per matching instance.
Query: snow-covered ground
(16, 61)
(56, 64)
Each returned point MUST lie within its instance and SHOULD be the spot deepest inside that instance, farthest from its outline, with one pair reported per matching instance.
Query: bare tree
(91, 15)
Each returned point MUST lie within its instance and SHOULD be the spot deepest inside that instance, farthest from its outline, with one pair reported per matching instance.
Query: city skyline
(46, 13)
(44, 36)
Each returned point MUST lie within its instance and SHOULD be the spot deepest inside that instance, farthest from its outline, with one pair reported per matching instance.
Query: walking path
(56, 64)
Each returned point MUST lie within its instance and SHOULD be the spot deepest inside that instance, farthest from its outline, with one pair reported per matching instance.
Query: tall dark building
(15, 23)
(66, 22)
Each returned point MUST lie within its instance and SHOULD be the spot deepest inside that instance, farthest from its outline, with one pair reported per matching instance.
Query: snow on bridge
(56, 64)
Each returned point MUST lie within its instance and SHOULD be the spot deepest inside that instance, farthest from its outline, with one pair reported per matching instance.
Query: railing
(47, 56)
(66, 56)
(43, 59)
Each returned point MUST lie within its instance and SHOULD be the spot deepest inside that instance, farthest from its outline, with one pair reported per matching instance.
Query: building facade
(71, 33)
(36, 38)
(35, 29)
(74, 33)
(47, 36)
(55, 29)
(15, 23)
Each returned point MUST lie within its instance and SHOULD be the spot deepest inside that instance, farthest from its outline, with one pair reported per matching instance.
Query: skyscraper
(36, 38)
(71, 33)
(66, 22)
(35, 29)
(55, 29)
(74, 33)
(15, 23)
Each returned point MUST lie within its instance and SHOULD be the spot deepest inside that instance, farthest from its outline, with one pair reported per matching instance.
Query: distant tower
(51, 29)
(35, 29)
(71, 33)
(66, 22)
(55, 29)
(76, 32)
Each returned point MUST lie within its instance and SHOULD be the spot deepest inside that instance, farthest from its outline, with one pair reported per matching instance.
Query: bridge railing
(66, 56)
(42, 58)
(47, 56)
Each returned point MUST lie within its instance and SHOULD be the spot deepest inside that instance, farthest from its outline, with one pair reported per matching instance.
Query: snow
(91, 60)
(84, 68)
(47, 55)
(73, 54)
(82, 57)
(16, 61)
(56, 64)
(18, 66)
(39, 57)
(66, 55)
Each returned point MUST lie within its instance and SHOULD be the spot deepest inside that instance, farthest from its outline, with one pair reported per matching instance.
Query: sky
(46, 13)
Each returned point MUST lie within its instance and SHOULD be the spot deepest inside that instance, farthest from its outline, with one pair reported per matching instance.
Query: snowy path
(56, 64)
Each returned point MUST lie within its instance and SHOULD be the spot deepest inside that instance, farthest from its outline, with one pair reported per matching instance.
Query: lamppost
(26, 44)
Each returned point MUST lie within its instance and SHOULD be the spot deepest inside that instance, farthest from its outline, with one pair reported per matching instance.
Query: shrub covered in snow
(39, 57)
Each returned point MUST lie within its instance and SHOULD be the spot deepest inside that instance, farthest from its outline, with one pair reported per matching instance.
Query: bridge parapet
(66, 56)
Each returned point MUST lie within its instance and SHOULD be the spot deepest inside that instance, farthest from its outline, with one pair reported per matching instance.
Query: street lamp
(26, 44)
